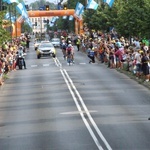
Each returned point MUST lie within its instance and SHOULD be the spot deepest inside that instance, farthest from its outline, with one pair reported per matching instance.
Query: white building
(41, 25)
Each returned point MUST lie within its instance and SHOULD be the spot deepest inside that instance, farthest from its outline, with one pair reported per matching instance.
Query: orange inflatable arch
(78, 22)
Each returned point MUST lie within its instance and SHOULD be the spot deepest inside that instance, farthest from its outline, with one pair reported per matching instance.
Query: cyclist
(63, 47)
(70, 54)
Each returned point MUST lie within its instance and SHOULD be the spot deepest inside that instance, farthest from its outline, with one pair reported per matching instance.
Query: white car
(46, 48)
(55, 42)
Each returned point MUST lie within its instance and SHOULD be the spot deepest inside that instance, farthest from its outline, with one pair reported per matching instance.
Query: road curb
(140, 81)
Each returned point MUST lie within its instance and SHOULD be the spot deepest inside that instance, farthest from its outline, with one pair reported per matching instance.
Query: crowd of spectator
(8, 54)
(118, 52)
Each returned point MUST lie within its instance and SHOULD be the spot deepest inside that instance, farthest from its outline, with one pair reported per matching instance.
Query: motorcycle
(20, 62)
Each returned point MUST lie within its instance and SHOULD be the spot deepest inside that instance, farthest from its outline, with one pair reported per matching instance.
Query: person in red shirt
(119, 53)
(70, 54)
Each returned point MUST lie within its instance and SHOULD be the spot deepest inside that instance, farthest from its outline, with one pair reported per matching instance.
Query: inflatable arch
(78, 22)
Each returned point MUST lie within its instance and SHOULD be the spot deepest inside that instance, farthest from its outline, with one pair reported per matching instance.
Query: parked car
(36, 43)
(46, 48)
(55, 42)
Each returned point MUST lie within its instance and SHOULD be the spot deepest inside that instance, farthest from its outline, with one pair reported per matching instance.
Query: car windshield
(46, 45)
(55, 40)
(37, 40)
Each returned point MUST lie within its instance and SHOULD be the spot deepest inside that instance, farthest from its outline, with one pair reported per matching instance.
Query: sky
(52, 1)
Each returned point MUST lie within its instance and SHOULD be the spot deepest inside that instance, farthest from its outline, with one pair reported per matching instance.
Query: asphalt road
(53, 106)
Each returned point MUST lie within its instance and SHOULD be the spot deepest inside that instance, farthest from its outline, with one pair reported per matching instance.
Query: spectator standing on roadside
(101, 52)
(136, 43)
(1, 72)
(9, 58)
(5, 48)
(145, 47)
(27, 42)
(118, 55)
(118, 43)
(78, 42)
(23, 43)
(111, 62)
(137, 58)
(145, 67)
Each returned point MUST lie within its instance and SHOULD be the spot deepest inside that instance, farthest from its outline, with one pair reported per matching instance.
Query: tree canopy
(128, 17)
(4, 34)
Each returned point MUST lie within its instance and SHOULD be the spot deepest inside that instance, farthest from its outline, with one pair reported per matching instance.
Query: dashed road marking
(82, 63)
(45, 65)
(34, 65)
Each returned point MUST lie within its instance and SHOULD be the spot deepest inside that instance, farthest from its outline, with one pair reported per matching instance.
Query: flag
(70, 17)
(11, 1)
(13, 19)
(109, 2)
(53, 19)
(22, 10)
(23, 3)
(28, 22)
(7, 15)
(92, 5)
(51, 24)
(79, 9)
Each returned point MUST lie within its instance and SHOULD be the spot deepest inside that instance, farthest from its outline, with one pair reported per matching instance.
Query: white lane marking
(81, 113)
(76, 112)
(33, 65)
(88, 113)
(57, 62)
(45, 65)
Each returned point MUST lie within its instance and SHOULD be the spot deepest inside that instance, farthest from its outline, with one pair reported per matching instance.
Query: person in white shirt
(137, 58)
(137, 44)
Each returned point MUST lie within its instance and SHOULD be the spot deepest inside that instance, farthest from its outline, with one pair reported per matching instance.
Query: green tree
(4, 35)
(37, 4)
(129, 17)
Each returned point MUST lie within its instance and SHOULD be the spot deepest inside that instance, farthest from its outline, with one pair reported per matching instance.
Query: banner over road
(51, 13)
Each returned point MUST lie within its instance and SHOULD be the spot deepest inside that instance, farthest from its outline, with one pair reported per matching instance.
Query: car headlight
(40, 51)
